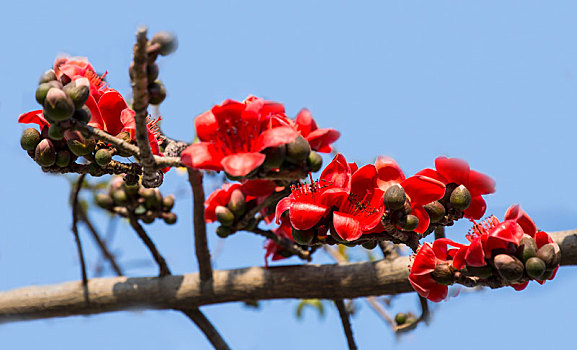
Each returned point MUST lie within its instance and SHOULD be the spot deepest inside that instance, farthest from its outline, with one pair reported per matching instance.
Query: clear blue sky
(492, 82)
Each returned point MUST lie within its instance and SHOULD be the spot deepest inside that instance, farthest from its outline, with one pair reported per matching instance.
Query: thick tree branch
(344, 281)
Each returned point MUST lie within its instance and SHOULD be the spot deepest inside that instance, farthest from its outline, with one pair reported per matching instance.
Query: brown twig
(346, 323)
(440, 232)
(381, 311)
(412, 325)
(390, 250)
(200, 240)
(163, 267)
(139, 78)
(75, 207)
(285, 243)
(270, 200)
(196, 316)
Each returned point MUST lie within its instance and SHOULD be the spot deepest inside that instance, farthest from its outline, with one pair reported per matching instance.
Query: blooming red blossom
(233, 134)
(273, 249)
(457, 171)
(320, 140)
(420, 190)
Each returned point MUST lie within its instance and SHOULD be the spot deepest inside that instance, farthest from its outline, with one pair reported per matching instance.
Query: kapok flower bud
(275, 156)
(45, 153)
(483, 272)
(63, 158)
(314, 161)
(58, 106)
(550, 254)
(303, 237)
(78, 144)
(102, 157)
(169, 218)
(55, 132)
(82, 114)
(298, 150)
(394, 198)
(124, 136)
(43, 89)
(237, 203)
(527, 248)
(443, 274)
(156, 93)
(408, 223)
(30, 139)
(509, 267)
(370, 245)
(148, 217)
(103, 200)
(120, 197)
(460, 198)
(224, 215)
(400, 318)
(535, 268)
(168, 43)
(152, 72)
(436, 211)
(224, 231)
(152, 197)
(47, 76)
(168, 203)
(78, 91)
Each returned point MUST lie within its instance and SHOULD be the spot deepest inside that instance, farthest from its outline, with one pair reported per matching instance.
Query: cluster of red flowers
(512, 251)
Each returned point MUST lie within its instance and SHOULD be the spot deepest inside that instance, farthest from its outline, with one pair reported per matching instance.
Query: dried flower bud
(224, 215)
(102, 157)
(509, 267)
(45, 153)
(394, 198)
(30, 139)
(303, 237)
(550, 254)
(460, 198)
(167, 41)
(63, 158)
(237, 203)
(314, 161)
(436, 211)
(443, 274)
(535, 268)
(57, 106)
(298, 150)
(408, 223)
(47, 76)
(156, 93)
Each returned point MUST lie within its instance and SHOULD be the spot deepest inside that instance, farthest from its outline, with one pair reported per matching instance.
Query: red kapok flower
(272, 248)
(319, 139)
(420, 190)
(233, 134)
(457, 171)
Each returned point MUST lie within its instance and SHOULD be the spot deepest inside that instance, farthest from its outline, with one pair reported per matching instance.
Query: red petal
(206, 126)
(521, 286)
(306, 215)
(321, 139)
(34, 117)
(426, 286)
(423, 190)
(111, 104)
(459, 258)
(475, 255)
(128, 122)
(389, 172)
(333, 197)
(95, 118)
(480, 183)
(507, 231)
(202, 155)
(364, 180)
(305, 122)
(282, 206)
(241, 164)
(258, 188)
(515, 212)
(433, 174)
(423, 217)
(272, 108)
(348, 227)
(337, 173)
(542, 238)
(476, 209)
(453, 169)
(425, 260)
(276, 136)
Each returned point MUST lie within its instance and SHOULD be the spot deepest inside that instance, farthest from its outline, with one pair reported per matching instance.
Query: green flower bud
(45, 153)
(443, 274)
(547, 274)
(370, 245)
(303, 237)
(237, 203)
(223, 231)
(483, 272)
(535, 268)
(394, 198)
(78, 144)
(167, 41)
(102, 157)
(156, 93)
(460, 198)
(400, 318)
(148, 218)
(140, 210)
(275, 156)
(408, 223)
(436, 211)
(298, 150)
(42, 91)
(169, 218)
(30, 139)
(527, 248)
(47, 76)
(314, 161)
(82, 114)
(509, 267)
(120, 197)
(103, 200)
(55, 132)
(78, 91)
(131, 189)
(550, 254)
(63, 158)
(168, 203)
(58, 106)
(224, 215)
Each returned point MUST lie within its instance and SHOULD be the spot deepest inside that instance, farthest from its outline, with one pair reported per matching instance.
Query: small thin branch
(270, 200)
(75, 207)
(200, 240)
(440, 232)
(346, 323)
(100, 243)
(283, 242)
(390, 250)
(425, 313)
(381, 311)
(150, 177)
(207, 328)
(163, 267)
